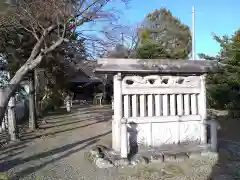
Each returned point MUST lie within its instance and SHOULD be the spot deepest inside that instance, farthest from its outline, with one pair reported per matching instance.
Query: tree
(127, 35)
(50, 22)
(164, 31)
(119, 51)
(224, 86)
(151, 51)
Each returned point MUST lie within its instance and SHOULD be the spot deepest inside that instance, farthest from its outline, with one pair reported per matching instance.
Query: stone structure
(158, 102)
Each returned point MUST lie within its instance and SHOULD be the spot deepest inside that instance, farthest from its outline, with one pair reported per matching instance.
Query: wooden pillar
(116, 124)
(202, 102)
(32, 116)
(12, 119)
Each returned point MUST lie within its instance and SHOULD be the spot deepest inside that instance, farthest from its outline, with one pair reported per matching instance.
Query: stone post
(68, 103)
(12, 119)
(124, 139)
(116, 123)
(3, 125)
(32, 116)
(213, 139)
(203, 109)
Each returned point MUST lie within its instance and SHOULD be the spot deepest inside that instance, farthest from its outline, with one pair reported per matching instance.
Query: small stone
(157, 157)
(138, 159)
(92, 155)
(102, 163)
(121, 162)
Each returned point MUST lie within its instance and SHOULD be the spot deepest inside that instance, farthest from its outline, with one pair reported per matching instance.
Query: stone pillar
(32, 116)
(213, 139)
(12, 119)
(68, 104)
(124, 139)
(116, 123)
(203, 109)
(3, 125)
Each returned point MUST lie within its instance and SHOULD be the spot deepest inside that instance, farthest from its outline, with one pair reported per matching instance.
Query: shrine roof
(161, 66)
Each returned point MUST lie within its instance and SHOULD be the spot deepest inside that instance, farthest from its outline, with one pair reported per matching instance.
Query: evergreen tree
(224, 86)
(164, 31)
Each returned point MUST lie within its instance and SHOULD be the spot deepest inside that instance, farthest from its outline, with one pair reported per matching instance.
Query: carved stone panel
(161, 81)
(159, 134)
(164, 133)
(190, 132)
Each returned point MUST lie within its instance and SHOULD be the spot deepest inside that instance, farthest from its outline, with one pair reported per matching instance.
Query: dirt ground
(57, 151)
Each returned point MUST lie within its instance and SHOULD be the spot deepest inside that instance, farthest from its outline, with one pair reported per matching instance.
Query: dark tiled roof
(88, 67)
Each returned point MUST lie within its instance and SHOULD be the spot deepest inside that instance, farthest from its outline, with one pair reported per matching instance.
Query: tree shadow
(105, 116)
(14, 146)
(50, 124)
(7, 165)
(27, 137)
(9, 155)
(79, 112)
(32, 137)
(30, 170)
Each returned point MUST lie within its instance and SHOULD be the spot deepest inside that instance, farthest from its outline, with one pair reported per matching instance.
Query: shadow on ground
(68, 150)
(54, 125)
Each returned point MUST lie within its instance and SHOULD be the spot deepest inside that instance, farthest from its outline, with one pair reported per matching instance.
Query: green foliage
(224, 86)
(145, 36)
(151, 51)
(163, 30)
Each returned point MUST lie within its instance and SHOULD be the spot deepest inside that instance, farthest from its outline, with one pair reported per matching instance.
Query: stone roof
(163, 66)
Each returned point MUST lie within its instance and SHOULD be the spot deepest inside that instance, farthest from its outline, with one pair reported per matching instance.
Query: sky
(211, 16)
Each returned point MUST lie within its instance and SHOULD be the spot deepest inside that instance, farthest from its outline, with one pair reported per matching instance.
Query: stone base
(104, 157)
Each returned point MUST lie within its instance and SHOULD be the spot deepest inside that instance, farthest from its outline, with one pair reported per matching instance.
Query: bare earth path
(57, 152)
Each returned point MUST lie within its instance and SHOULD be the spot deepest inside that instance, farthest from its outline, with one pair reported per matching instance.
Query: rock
(102, 163)
(93, 155)
(138, 159)
(157, 157)
(121, 162)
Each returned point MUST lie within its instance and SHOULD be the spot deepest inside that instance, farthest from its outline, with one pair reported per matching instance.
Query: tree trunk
(10, 89)
(33, 61)
(32, 117)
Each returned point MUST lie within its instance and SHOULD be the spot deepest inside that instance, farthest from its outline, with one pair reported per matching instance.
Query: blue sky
(218, 16)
